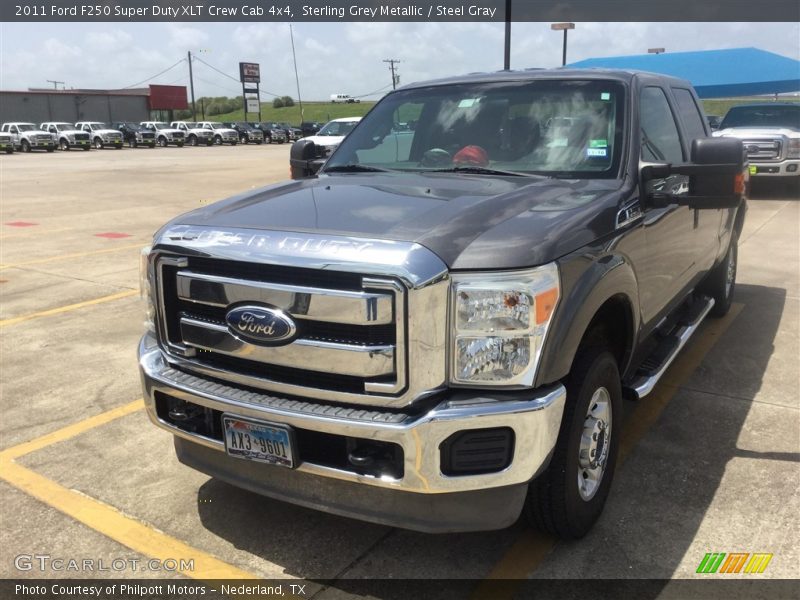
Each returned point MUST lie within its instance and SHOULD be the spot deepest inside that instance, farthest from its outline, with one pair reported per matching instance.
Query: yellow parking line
(101, 517)
(39, 261)
(530, 549)
(70, 431)
(69, 307)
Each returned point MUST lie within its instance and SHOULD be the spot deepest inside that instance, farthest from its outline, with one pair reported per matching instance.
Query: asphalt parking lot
(710, 459)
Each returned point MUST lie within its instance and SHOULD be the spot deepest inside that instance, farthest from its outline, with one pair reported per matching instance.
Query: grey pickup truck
(436, 329)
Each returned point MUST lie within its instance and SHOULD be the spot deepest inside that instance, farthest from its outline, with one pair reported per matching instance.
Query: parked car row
(87, 134)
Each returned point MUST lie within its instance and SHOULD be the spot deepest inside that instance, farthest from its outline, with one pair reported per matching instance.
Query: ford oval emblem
(261, 325)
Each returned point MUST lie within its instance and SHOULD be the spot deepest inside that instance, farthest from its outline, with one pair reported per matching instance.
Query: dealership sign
(249, 72)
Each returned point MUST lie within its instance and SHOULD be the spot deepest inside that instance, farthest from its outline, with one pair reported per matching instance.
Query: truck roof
(622, 75)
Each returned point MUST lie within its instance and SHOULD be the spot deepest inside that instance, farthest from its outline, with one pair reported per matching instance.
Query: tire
(720, 283)
(162, 141)
(218, 140)
(153, 145)
(179, 144)
(193, 140)
(10, 149)
(234, 143)
(25, 146)
(132, 143)
(98, 143)
(64, 145)
(556, 504)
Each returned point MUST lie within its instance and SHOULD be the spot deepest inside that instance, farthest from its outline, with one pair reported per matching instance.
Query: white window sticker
(594, 152)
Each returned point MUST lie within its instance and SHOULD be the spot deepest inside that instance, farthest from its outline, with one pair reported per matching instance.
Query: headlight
(146, 289)
(793, 148)
(499, 323)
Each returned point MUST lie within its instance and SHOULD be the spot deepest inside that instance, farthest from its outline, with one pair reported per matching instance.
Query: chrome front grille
(82, 136)
(351, 328)
(762, 149)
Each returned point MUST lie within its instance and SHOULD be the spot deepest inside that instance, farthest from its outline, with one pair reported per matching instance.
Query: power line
(371, 93)
(231, 77)
(154, 76)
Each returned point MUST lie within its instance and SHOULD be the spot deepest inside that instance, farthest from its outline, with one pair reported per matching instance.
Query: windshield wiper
(354, 169)
(478, 170)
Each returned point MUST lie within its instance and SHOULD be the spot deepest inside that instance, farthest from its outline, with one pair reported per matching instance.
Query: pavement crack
(738, 398)
(355, 561)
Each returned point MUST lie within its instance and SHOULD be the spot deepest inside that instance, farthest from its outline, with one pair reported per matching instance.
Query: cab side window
(661, 141)
(690, 114)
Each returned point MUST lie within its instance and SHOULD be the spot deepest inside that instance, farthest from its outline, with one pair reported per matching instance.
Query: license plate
(258, 441)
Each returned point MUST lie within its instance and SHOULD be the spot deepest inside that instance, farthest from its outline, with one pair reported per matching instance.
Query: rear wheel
(568, 498)
(720, 283)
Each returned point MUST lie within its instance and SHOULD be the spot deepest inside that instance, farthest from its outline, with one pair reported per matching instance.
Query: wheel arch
(603, 294)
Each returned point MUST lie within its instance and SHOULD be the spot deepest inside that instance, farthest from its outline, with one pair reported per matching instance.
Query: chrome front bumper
(535, 420)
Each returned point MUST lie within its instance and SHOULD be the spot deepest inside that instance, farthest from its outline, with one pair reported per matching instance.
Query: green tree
(277, 103)
(287, 100)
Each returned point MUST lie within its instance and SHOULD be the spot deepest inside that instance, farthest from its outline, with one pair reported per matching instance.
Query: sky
(334, 58)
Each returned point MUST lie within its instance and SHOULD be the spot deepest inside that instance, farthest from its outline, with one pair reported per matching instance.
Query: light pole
(656, 50)
(563, 27)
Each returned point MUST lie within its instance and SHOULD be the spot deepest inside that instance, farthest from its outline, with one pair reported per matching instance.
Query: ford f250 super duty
(436, 330)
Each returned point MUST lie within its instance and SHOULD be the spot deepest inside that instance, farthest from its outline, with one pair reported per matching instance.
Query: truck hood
(469, 221)
(751, 132)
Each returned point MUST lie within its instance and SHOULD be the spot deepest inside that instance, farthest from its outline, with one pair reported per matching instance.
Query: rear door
(707, 222)
(670, 229)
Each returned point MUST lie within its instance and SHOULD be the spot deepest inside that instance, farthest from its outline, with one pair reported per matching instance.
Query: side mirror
(717, 173)
(304, 160)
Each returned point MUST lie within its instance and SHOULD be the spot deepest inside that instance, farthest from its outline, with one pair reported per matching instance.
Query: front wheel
(162, 141)
(720, 283)
(132, 143)
(218, 140)
(25, 146)
(64, 145)
(569, 496)
(193, 140)
(98, 143)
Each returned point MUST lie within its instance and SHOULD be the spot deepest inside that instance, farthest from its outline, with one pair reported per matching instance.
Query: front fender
(587, 282)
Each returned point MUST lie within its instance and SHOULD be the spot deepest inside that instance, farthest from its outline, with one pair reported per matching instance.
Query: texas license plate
(258, 441)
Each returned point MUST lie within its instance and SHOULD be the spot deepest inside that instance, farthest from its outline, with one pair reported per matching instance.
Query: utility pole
(191, 85)
(395, 78)
(507, 45)
(296, 76)
(55, 84)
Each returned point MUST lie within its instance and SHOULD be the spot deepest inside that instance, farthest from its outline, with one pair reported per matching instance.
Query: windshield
(95, 126)
(216, 125)
(63, 126)
(338, 128)
(26, 127)
(763, 116)
(560, 128)
(161, 126)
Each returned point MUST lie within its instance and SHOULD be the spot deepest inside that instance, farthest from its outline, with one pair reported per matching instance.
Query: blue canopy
(715, 73)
